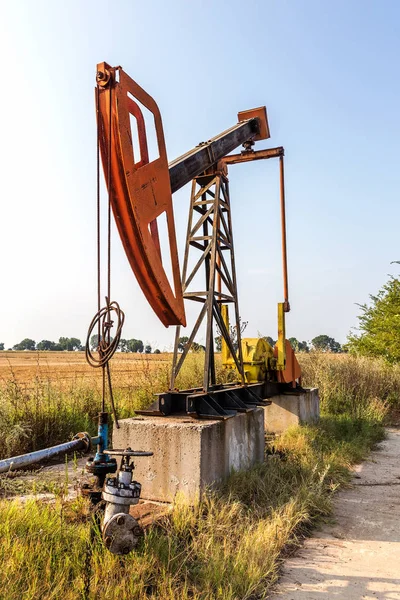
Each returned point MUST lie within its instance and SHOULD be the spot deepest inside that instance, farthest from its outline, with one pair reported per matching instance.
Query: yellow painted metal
(225, 353)
(258, 357)
(280, 344)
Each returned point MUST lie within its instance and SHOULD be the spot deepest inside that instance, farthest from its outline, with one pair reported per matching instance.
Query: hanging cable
(103, 319)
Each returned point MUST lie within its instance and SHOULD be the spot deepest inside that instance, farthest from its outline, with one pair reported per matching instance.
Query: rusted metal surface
(147, 512)
(210, 212)
(292, 370)
(283, 227)
(234, 159)
(260, 114)
(278, 152)
(140, 190)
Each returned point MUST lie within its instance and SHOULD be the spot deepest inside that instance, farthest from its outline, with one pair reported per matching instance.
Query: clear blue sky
(328, 73)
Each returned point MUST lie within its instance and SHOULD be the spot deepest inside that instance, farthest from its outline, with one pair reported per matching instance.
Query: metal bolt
(121, 520)
(100, 75)
(137, 530)
(126, 550)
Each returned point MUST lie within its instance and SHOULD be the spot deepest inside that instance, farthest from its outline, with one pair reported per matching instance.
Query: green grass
(231, 544)
(350, 384)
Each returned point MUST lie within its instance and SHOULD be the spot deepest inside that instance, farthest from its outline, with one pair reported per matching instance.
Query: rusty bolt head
(126, 550)
(121, 520)
(137, 530)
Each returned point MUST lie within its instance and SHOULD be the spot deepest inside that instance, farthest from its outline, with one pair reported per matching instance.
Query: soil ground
(358, 557)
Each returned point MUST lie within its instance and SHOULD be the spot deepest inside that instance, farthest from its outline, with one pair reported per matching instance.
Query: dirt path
(359, 556)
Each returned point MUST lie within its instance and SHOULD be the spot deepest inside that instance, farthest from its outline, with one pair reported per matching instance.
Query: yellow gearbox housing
(258, 358)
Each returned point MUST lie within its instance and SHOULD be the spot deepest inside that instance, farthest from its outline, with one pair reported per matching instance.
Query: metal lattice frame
(210, 233)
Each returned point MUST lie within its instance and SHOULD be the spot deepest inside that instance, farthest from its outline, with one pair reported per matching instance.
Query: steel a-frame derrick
(209, 244)
(210, 232)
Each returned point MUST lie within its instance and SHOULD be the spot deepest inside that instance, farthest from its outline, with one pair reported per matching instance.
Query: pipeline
(81, 442)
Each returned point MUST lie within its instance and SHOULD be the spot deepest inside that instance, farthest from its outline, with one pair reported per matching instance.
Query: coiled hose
(107, 345)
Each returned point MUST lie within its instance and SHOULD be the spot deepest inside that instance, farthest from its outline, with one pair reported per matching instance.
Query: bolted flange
(121, 534)
(118, 492)
(120, 530)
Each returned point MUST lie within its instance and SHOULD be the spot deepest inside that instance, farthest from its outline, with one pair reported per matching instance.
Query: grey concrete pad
(190, 455)
(287, 410)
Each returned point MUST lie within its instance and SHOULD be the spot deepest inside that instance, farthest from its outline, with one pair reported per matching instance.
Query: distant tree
(147, 349)
(379, 324)
(182, 343)
(324, 343)
(70, 344)
(233, 334)
(304, 347)
(45, 345)
(157, 351)
(123, 345)
(26, 344)
(197, 347)
(298, 346)
(1, 345)
(270, 340)
(135, 345)
(94, 342)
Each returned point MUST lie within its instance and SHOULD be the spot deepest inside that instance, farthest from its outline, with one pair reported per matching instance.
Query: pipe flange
(119, 493)
(101, 468)
(121, 534)
(86, 439)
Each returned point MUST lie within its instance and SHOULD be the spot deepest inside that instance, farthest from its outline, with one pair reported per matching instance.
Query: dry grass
(350, 384)
(71, 368)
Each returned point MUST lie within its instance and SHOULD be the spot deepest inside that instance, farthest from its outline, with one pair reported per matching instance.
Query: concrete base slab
(288, 410)
(190, 455)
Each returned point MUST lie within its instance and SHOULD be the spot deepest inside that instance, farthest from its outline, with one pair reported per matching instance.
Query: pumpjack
(140, 192)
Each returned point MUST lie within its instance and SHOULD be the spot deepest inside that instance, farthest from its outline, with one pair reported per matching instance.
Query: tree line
(323, 343)
(74, 344)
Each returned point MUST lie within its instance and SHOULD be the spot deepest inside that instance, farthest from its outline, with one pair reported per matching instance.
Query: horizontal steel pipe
(82, 443)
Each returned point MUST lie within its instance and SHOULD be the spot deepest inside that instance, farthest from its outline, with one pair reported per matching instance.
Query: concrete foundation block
(288, 410)
(190, 455)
